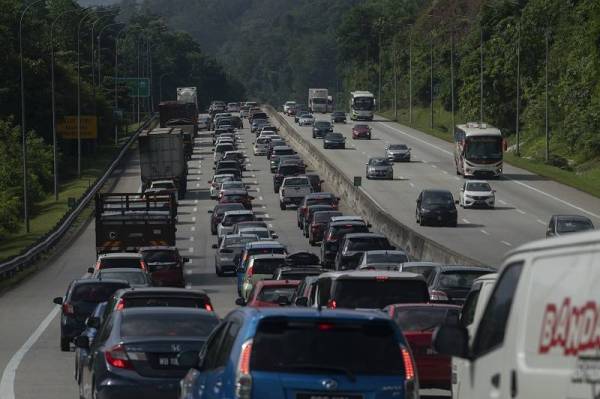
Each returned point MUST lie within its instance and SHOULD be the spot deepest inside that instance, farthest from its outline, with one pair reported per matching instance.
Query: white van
(469, 317)
(539, 334)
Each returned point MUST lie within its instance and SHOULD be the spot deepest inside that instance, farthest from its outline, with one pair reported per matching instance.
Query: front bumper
(380, 174)
(439, 218)
(472, 202)
(398, 157)
(292, 200)
(329, 144)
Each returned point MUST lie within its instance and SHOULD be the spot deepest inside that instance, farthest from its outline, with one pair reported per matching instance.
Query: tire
(282, 206)
(218, 271)
(65, 344)
(311, 242)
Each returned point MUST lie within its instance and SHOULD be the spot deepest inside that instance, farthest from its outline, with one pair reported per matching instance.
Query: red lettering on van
(574, 329)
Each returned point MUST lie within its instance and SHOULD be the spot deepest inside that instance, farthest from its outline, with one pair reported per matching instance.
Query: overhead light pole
(99, 49)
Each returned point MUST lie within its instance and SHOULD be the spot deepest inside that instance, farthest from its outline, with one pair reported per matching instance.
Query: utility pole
(547, 34)
(431, 78)
(410, 77)
(452, 78)
(517, 124)
(395, 55)
(380, 60)
(480, 71)
(137, 46)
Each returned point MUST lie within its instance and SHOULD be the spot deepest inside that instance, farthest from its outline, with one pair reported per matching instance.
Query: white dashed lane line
(540, 221)
(522, 212)
(508, 244)
(485, 232)
(466, 221)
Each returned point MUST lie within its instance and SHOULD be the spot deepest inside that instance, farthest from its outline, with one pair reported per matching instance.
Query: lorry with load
(317, 100)
(362, 105)
(129, 221)
(162, 157)
(174, 113)
(188, 95)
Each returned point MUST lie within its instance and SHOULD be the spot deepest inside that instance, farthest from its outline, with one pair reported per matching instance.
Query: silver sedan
(379, 168)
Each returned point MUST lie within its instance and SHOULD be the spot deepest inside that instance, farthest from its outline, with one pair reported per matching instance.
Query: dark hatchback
(78, 304)
(315, 181)
(321, 128)
(338, 117)
(136, 353)
(436, 207)
(310, 212)
(285, 170)
(319, 198)
(560, 225)
(334, 140)
(335, 232)
(352, 246)
(318, 224)
(165, 265)
(450, 284)
(217, 214)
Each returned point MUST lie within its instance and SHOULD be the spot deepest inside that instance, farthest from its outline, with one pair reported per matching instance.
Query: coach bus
(478, 150)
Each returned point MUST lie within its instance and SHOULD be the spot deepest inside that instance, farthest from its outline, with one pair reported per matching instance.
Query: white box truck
(317, 100)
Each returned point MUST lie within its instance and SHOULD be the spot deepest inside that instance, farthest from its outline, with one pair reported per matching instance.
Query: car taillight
(208, 307)
(117, 357)
(143, 265)
(98, 264)
(410, 382)
(332, 304)
(67, 308)
(243, 381)
(437, 295)
(120, 304)
(250, 271)
(314, 227)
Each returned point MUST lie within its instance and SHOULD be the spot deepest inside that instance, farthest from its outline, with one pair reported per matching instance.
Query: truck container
(188, 95)
(317, 100)
(162, 157)
(173, 113)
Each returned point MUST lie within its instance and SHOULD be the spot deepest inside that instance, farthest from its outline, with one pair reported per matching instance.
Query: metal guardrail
(29, 255)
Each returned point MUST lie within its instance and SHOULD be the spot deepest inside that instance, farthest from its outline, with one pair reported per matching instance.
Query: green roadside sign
(136, 87)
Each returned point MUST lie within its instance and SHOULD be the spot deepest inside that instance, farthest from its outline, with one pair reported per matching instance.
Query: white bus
(478, 150)
(362, 105)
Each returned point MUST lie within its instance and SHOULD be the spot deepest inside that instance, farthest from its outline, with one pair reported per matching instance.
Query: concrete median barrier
(418, 246)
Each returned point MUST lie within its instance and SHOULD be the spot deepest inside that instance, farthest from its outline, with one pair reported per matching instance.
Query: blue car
(93, 323)
(302, 353)
(256, 248)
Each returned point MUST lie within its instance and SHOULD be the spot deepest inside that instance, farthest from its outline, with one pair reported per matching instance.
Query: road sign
(357, 181)
(67, 127)
(135, 86)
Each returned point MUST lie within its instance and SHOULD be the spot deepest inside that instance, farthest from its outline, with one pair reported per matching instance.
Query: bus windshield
(363, 103)
(484, 148)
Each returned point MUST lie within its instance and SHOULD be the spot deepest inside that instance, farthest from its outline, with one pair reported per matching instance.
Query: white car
(215, 184)
(306, 120)
(203, 122)
(263, 233)
(261, 145)
(476, 193)
(288, 105)
(292, 191)
(230, 219)
(233, 107)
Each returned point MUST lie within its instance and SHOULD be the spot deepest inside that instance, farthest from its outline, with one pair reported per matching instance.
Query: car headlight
(224, 259)
(424, 210)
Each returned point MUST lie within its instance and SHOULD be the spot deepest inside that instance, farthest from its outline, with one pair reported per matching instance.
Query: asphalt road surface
(524, 201)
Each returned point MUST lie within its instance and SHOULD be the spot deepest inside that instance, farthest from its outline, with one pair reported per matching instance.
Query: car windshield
(566, 226)
(232, 185)
(476, 186)
(379, 162)
(296, 181)
(272, 294)
(132, 277)
(387, 258)
(398, 147)
(233, 219)
(377, 293)
(322, 125)
(335, 136)
(227, 207)
(167, 325)
(284, 151)
(339, 231)
(160, 300)
(424, 318)
(95, 292)
(160, 256)
(267, 266)
(438, 198)
(459, 279)
(114, 263)
(324, 346)
(367, 243)
(338, 113)
(233, 241)
(321, 217)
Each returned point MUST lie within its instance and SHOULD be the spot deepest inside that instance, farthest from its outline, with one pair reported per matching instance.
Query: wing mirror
(452, 340)
(58, 300)
(82, 342)
(240, 302)
(90, 270)
(93, 322)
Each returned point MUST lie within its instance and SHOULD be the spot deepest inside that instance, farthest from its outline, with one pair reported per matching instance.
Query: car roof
(281, 147)
(451, 268)
(120, 270)
(82, 281)
(239, 212)
(235, 191)
(571, 217)
(303, 268)
(436, 191)
(420, 263)
(319, 195)
(268, 256)
(162, 292)
(120, 255)
(363, 235)
(229, 205)
(314, 313)
(264, 244)
(166, 310)
(372, 274)
(425, 305)
(347, 223)
(378, 159)
(345, 218)
(223, 175)
(476, 181)
(385, 251)
(158, 248)
(278, 283)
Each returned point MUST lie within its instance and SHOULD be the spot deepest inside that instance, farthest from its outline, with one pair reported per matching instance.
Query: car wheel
(275, 190)
(65, 344)
(311, 242)
(453, 223)
(282, 206)
(218, 271)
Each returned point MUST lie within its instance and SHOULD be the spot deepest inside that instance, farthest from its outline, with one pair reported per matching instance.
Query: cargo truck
(129, 221)
(162, 157)
(174, 113)
(317, 100)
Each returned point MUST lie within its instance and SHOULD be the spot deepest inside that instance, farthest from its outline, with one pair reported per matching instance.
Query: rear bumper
(292, 200)
(148, 388)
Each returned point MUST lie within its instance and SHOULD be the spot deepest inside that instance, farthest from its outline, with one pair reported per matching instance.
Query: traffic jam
(324, 305)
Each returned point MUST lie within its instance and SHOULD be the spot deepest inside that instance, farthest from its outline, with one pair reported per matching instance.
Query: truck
(293, 190)
(330, 104)
(188, 95)
(317, 100)
(129, 221)
(162, 157)
(362, 105)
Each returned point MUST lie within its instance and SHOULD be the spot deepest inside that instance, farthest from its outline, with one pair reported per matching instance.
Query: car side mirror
(456, 202)
(82, 342)
(451, 340)
(209, 182)
(240, 302)
(93, 322)
(301, 301)
(58, 300)
(186, 260)
(214, 246)
(90, 270)
(321, 181)
(274, 235)
(188, 359)
(210, 211)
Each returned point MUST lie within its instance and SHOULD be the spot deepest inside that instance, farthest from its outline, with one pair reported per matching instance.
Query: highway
(524, 201)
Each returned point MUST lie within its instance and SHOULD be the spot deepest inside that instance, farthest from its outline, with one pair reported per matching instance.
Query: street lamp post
(431, 78)
(517, 124)
(23, 116)
(160, 80)
(547, 34)
(116, 77)
(480, 72)
(99, 47)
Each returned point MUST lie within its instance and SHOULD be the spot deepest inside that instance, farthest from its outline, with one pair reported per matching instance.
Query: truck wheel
(282, 206)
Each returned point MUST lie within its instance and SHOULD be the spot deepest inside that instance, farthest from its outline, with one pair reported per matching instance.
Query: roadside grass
(584, 177)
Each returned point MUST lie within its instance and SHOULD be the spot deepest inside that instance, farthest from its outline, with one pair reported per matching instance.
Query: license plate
(327, 396)
(167, 361)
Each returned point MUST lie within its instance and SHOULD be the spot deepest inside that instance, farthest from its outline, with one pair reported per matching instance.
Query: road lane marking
(508, 244)
(485, 232)
(191, 249)
(191, 238)
(267, 215)
(194, 219)
(197, 184)
(193, 228)
(444, 172)
(270, 225)
(258, 189)
(540, 221)
(434, 166)
(502, 202)
(195, 209)
(260, 198)
(466, 221)
(456, 177)
(195, 201)
(522, 212)
(411, 184)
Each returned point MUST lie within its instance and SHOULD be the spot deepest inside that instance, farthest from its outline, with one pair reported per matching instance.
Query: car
(338, 117)
(134, 277)
(163, 186)
(262, 233)
(475, 194)
(165, 265)
(397, 152)
(276, 153)
(321, 128)
(310, 211)
(382, 259)
(229, 251)
(256, 248)
(436, 206)
(306, 119)
(560, 225)
(321, 198)
(274, 142)
(361, 131)
(418, 323)
(230, 218)
(297, 272)
(258, 114)
(379, 168)
(369, 289)
(79, 302)
(260, 267)
(238, 156)
(233, 107)
(236, 196)
(249, 224)
(260, 146)
(228, 164)
(288, 106)
(334, 233)
(231, 185)
(299, 114)
(287, 159)
(114, 260)
(92, 323)
(302, 353)
(334, 140)
(319, 222)
(203, 122)
(449, 283)
(221, 149)
(352, 246)
(292, 191)
(236, 171)
(285, 170)
(218, 212)
(270, 293)
(215, 183)
(257, 124)
(315, 181)
(136, 353)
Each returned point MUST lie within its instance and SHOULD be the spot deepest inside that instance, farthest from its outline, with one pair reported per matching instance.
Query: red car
(417, 322)
(236, 196)
(361, 131)
(165, 265)
(271, 293)
(315, 199)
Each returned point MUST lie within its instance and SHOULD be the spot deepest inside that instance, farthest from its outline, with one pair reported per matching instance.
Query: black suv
(335, 232)
(321, 128)
(436, 207)
(352, 246)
